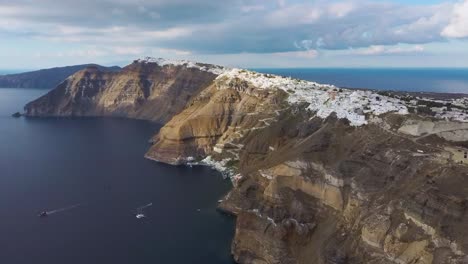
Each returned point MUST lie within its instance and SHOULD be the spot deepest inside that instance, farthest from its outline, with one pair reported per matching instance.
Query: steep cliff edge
(320, 174)
(141, 90)
(314, 188)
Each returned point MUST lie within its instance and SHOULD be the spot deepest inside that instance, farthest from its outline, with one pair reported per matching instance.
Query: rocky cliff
(320, 174)
(141, 90)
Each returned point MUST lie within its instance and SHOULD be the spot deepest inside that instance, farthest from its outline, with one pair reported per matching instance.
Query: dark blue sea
(91, 176)
(411, 79)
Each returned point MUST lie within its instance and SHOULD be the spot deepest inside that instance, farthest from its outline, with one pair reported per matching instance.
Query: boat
(139, 211)
(43, 214)
(139, 216)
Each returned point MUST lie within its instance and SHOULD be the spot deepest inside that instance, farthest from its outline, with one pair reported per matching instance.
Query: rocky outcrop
(213, 120)
(339, 184)
(142, 90)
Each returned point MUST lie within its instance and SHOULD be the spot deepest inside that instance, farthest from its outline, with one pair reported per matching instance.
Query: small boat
(139, 216)
(43, 214)
(139, 211)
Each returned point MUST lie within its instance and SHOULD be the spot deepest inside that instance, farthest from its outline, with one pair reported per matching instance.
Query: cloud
(88, 52)
(281, 3)
(458, 27)
(252, 8)
(383, 50)
(341, 9)
(299, 14)
(327, 25)
(172, 52)
(128, 50)
(308, 54)
(297, 27)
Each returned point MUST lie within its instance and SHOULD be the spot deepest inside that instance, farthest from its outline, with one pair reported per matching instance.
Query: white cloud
(384, 50)
(128, 50)
(294, 15)
(90, 53)
(341, 9)
(458, 27)
(252, 8)
(428, 24)
(281, 3)
(305, 44)
(170, 33)
(114, 35)
(172, 52)
(307, 54)
(86, 52)
(295, 28)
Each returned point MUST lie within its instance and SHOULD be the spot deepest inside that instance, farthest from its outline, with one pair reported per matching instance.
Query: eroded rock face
(307, 188)
(141, 90)
(213, 121)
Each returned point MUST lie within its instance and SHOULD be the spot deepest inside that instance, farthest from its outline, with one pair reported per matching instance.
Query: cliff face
(213, 120)
(46, 78)
(142, 90)
(320, 174)
(314, 190)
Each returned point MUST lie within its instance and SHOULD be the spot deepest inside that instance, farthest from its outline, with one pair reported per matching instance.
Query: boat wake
(63, 209)
(139, 211)
(144, 206)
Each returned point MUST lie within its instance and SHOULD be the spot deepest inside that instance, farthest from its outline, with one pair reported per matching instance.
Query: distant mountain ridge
(46, 78)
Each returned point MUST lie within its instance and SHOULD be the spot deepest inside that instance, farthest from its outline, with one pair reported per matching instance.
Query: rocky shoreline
(321, 174)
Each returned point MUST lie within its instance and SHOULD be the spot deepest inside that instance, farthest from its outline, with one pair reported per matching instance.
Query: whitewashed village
(359, 106)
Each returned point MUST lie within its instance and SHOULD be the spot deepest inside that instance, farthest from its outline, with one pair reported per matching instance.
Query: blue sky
(244, 33)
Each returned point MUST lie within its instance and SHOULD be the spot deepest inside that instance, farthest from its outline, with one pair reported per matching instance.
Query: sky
(243, 33)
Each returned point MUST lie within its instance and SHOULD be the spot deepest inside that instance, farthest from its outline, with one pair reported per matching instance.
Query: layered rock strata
(142, 90)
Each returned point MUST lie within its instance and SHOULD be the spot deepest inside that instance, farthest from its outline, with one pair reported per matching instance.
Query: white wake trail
(63, 209)
(144, 206)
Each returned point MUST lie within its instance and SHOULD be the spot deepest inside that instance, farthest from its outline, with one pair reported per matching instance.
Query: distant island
(321, 174)
(46, 78)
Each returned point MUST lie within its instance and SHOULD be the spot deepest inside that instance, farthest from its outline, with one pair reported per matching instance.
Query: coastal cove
(52, 163)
